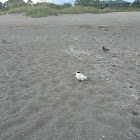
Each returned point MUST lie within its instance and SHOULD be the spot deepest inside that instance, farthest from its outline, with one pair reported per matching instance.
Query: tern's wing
(80, 76)
(85, 77)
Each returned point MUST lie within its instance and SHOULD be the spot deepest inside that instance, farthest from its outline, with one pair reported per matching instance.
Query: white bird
(80, 76)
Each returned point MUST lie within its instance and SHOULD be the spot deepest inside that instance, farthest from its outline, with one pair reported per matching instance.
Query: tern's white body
(80, 76)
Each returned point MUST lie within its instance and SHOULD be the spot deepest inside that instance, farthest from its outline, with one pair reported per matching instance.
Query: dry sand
(40, 98)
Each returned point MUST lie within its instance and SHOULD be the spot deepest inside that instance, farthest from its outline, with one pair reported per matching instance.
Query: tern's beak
(74, 72)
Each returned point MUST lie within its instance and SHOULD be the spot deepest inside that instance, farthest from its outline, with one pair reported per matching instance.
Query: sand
(40, 98)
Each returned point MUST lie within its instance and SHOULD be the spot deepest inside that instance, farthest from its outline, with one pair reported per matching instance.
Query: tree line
(93, 3)
(10, 4)
(98, 3)
(20, 3)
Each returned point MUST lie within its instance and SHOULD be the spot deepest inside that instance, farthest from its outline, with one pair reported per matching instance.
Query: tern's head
(77, 72)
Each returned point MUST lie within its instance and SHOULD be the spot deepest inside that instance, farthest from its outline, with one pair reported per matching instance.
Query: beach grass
(40, 11)
(18, 10)
(44, 11)
(128, 9)
(106, 10)
(81, 10)
(3, 12)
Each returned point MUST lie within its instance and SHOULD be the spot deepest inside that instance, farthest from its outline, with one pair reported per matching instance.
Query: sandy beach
(40, 97)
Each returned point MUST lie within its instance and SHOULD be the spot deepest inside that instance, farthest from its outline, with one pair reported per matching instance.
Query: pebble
(113, 66)
(113, 55)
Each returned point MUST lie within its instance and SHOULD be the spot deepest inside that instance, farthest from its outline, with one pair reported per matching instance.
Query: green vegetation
(81, 10)
(91, 3)
(128, 9)
(136, 4)
(44, 9)
(40, 11)
(1, 5)
(17, 10)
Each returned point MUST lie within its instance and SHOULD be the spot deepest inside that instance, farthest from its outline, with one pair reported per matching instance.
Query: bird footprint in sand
(4, 41)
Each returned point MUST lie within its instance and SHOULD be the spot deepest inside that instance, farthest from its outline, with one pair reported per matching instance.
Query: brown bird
(105, 50)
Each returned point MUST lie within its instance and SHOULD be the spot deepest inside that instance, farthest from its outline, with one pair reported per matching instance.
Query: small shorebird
(105, 50)
(80, 76)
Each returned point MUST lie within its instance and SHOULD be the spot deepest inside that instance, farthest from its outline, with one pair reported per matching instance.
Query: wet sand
(40, 98)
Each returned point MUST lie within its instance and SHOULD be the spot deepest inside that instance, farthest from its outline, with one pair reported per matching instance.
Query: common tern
(80, 76)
